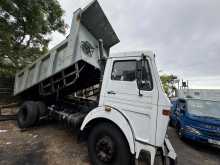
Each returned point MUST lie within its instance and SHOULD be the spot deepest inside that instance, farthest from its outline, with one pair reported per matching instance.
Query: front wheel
(180, 131)
(108, 146)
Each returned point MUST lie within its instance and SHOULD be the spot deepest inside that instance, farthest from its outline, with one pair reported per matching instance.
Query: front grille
(211, 134)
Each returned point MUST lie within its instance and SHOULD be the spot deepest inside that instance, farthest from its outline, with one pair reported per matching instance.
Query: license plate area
(214, 141)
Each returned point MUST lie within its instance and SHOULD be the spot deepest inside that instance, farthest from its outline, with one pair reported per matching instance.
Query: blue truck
(196, 119)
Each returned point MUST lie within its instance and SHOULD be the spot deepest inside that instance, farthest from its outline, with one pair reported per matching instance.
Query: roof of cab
(132, 54)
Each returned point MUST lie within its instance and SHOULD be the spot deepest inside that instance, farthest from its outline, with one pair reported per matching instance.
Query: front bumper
(166, 151)
(200, 136)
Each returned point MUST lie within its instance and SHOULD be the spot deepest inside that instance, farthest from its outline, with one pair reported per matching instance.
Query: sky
(185, 35)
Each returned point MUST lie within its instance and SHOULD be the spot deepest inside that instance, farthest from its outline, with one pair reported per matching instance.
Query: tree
(25, 26)
(168, 83)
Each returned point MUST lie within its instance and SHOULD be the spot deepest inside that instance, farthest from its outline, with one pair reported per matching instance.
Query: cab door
(123, 94)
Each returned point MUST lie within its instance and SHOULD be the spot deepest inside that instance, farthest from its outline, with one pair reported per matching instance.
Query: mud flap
(170, 153)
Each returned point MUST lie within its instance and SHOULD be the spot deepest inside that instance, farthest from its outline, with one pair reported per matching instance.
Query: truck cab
(132, 98)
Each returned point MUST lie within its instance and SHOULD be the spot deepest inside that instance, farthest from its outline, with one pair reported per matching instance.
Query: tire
(179, 131)
(172, 162)
(108, 146)
(27, 114)
(42, 108)
(161, 160)
(158, 159)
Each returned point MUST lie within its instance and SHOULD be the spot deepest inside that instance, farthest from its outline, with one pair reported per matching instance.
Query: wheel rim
(105, 149)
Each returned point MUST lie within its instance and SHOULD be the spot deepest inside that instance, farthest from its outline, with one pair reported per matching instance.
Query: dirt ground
(47, 144)
(192, 153)
(53, 144)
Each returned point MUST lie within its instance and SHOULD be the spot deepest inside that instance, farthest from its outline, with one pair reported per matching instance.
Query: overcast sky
(184, 34)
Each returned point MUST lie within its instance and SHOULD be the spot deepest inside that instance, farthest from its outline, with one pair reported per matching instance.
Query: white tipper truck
(116, 101)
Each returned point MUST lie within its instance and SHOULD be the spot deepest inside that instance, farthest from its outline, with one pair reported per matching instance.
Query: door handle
(111, 92)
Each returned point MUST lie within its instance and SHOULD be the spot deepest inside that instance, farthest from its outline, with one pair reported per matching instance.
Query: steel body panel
(98, 24)
(70, 51)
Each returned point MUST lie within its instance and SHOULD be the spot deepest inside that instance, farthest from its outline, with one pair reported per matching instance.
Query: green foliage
(25, 26)
(166, 80)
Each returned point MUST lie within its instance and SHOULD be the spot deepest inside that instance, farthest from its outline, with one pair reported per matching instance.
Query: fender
(117, 118)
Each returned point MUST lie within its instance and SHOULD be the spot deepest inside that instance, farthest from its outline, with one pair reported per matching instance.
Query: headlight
(192, 130)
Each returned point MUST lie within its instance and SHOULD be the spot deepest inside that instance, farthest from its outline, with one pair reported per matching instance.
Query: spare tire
(27, 114)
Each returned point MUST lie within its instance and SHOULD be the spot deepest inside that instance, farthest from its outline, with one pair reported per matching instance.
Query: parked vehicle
(174, 103)
(116, 101)
(197, 119)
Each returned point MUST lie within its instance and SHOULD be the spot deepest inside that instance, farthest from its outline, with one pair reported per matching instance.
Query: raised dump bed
(74, 63)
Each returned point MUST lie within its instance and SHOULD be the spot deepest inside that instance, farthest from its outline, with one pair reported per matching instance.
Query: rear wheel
(108, 146)
(27, 114)
(42, 110)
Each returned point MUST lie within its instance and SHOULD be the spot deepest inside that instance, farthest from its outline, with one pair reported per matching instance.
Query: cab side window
(124, 70)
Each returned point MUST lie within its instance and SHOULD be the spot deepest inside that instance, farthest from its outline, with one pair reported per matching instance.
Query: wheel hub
(105, 149)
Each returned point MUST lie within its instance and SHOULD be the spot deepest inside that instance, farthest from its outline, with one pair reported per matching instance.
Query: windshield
(204, 108)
